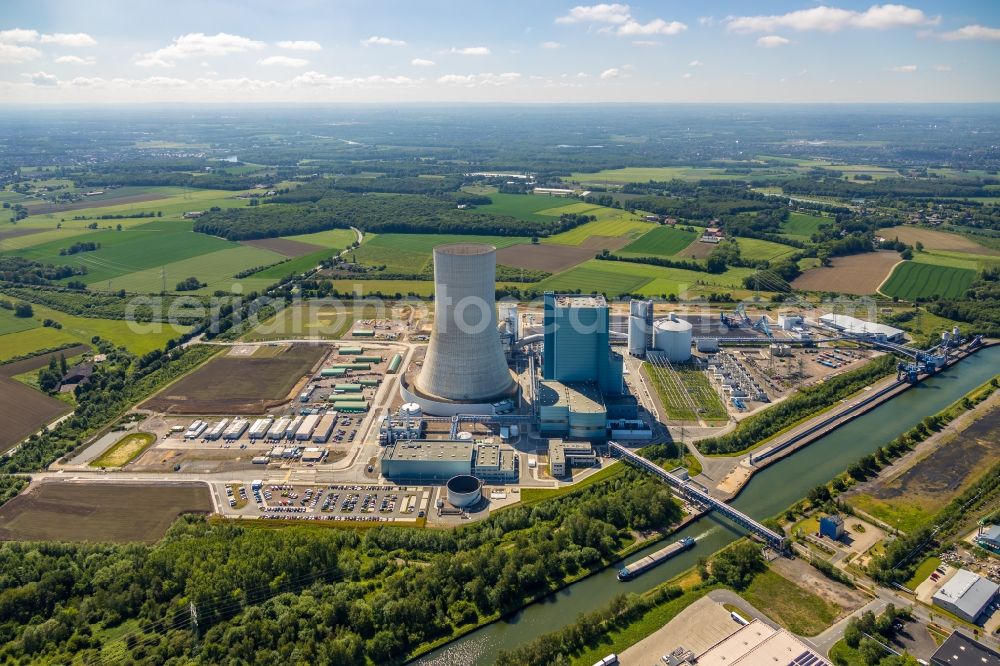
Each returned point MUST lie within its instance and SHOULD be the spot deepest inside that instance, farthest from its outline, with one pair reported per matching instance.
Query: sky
(544, 51)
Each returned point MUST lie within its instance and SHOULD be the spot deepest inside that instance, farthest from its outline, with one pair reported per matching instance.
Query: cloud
(687, 75)
(695, 63)
(970, 32)
(612, 73)
(43, 79)
(471, 51)
(375, 40)
(646, 42)
(18, 36)
(905, 69)
(422, 62)
(300, 45)
(13, 55)
(86, 82)
(75, 60)
(197, 44)
(602, 13)
(316, 79)
(478, 80)
(771, 41)
(551, 45)
(942, 68)
(654, 27)
(283, 61)
(833, 19)
(72, 39)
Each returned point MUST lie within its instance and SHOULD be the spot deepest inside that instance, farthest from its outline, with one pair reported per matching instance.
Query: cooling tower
(464, 360)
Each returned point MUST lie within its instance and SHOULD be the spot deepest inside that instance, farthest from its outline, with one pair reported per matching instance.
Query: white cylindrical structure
(636, 336)
(410, 410)
(672, 337)
(464, 490)
(464, 360)
(465, 436)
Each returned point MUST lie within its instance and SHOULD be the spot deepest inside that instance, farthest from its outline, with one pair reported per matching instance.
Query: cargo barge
(630, 571)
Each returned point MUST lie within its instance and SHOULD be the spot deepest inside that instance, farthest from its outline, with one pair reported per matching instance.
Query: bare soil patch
(43, 209)
(23, 410)
(696, 250)
(551, 258)
(935, 240)
(24, 231)
(238, 384)
(122, 512)
(809, 578)
(859, 274)
(283, 246)
(40, 361)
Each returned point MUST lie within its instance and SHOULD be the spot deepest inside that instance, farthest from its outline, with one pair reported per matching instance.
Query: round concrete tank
(637, 334)
(410, 410)
(464, 360)
(672, 336)
(464, 490)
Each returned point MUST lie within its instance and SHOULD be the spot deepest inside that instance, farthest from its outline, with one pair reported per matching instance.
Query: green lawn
(798, 610)
(662, 241)
(925, 569)
(704, 396)
(610, 223)
(617, 277)
(421, 288)
(762, 250)
(911, 280)
(906, 516)
(803, 224)
(337, 238)
(25, 342)
(588, 279)
(11, 324)
(137, 338)
(296, 265)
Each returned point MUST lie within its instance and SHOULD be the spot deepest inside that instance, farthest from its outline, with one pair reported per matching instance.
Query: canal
(769, 492)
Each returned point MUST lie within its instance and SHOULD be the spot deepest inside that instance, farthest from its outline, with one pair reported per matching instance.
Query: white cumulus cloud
(654, 27)
(477, 80)
(422, 62)
(905, 69)
(610, 73)
(11, 54)
(283, 61)
(687, 75)
(300, 45)
(970, 32)
(471, 51)
(72, 39)
(833, 19)
(602, 13)
(771, 41)
(75, 60)
(695, 63)
(551, 45)
(375, 40)
(316, 79)
(42, 79)
(942, 68)
(18, 36)
(198, 44)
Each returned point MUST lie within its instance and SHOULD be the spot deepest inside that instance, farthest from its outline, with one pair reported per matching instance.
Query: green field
(610, 223)
(411, 253)
(911, 280)
(125, 450)
(26, 342)
(925, 569)
(803, 224)
(618, 277)
(662, 241)
(338, 238)
(762, 250)
(524, 206)
(421, 288)
(215, 268)
(644, 174)
(11, 324)
(295, 265)
(956, 259)
(798, 610)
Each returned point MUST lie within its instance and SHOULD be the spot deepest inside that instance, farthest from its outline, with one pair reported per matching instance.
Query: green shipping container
(395, 363)
(350, 406)
(363, 333)
(347, 388)
(354, 366)
(368, 382)
(368, 359)
(351, 351)
(333, 372)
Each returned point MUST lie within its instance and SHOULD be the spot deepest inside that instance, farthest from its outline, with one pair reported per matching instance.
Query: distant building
(963, 650)
(192, 214)
(966, 595)
(77, 376)
(831, 526)
(854, 326)
(564, 456)
(990, 538)
(553, 191)
(652, 218)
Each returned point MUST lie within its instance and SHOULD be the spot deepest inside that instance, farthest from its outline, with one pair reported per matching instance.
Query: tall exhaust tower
(465, 361)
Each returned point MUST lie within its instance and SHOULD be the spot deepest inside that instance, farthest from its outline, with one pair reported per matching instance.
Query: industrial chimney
(464, 361)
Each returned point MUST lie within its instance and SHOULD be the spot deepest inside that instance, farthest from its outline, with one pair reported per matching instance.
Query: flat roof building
(437, 460)
(495, 463)
(990, 538)
(572, 410)
(963, 650)
(759, 643)
(577, 345)
(966, 594)
(563, 456)
(855, 326)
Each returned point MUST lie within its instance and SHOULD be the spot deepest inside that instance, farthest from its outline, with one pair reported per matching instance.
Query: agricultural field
(334, 238)
(412, 253)
(125, 450)
(283, 246)
(40, 361)
(33, 410)
(911, 280)
(859, 274)
(911, 497)
(313, 319)
(936, 240)
(803, 225)
(523, 206)
(614, 228)
(617, 277)
(662, 242)
(9, 323)
(762, 250)
(238, 384)
(550, 258)
(117, 512)
(360, 288)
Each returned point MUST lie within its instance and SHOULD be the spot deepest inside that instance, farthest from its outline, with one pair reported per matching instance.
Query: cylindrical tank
(637, 335)
(672, 336)
(464, 360)
(409, 410)
(464, 490)
(955, 333)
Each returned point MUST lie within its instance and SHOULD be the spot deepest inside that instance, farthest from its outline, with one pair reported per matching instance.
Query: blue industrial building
(831, 526)
(577, 345)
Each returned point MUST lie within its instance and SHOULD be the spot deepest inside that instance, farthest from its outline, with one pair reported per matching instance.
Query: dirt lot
(238, 384)
(43, 209)
(859, 274)
(67, 511)
(39, 362)
(935, 240)
(809, 578)
(696, 250)
(550, 258)
(289, 248)
(33, 410)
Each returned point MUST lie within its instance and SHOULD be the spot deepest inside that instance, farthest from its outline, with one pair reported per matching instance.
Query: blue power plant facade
(577, 346)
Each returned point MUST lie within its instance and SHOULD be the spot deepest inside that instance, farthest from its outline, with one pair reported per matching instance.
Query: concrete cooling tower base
(436, 406)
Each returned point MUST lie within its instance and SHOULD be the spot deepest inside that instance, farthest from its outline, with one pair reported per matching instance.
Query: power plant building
(640, 327)
(672, 338)
(571, 410)
(437, 460)
(464, 370)
(577, 344)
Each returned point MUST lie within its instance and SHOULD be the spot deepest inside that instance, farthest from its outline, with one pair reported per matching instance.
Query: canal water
(768, 493)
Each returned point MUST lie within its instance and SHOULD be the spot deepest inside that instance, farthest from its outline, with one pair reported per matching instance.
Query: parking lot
(336, 502)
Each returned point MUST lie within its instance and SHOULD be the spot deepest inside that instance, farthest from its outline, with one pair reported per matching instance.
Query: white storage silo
(672, 337)
(640, 327)
(410, 410)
